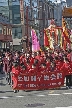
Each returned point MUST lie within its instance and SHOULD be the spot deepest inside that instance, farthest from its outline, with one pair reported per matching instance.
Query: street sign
(67, 12)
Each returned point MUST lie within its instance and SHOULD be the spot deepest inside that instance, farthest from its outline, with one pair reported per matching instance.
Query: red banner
(37, 81)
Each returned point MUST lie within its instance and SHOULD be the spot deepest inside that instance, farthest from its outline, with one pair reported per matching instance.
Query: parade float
(55, 36)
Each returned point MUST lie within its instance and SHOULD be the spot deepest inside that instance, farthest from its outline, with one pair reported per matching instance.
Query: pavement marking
(4, 97)
(19, 96)
(41, 95)
(51, 92)
(67, 93)
(64, 107)
(54, 94)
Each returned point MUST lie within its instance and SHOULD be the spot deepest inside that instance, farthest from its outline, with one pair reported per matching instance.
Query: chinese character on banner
(33, 78)
(46, 77)
(53, 77)
(26, 78)
(59, 75)
(20, 78)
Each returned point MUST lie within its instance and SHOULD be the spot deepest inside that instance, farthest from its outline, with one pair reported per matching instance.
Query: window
(7, 31)
(16, 15)
(14, 0)
(17, 32)
(11, 32)
(0, 30)
(16, 19)
(4, 30)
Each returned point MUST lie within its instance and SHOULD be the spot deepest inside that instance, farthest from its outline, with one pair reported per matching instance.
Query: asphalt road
(61, 98)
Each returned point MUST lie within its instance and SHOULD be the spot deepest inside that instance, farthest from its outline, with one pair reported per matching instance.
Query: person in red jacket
(23, 69)
(52, 67)
(42, 69)
(48, 62)
(65, 68)
(33, 70)
(59, 62)
(32, 58)
(23, 59)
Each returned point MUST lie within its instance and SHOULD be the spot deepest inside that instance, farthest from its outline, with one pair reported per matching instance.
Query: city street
(34, 99)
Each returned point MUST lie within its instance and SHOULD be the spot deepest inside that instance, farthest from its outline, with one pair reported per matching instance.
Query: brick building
(5, 32)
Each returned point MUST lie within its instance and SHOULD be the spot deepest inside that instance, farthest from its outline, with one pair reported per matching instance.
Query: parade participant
(58, 62)
(23, 69)
(66, 64)
(37, 62)
(42, 68)
(66, 67)
(1, 65)
(39, 57)
(33, 70)
(15, 73)
(28, 64)
(52, 66)
(15, 67)
(48, 62)
(23, 58)
(69, 55)
(9, 68)
(32, 58)
(50, 56)
(5, 64)
(17, 56)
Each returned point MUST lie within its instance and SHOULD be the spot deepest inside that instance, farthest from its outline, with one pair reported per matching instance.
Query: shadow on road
(2, 76)
(5, 91)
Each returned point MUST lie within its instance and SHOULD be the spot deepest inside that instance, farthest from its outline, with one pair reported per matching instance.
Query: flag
(65, 33)
(35, 41)
(51, 43)
(46, 38)
(60, 37)
(66, 37)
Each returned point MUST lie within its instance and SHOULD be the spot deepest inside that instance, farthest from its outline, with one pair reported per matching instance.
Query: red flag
(46, 39)
(67, 38)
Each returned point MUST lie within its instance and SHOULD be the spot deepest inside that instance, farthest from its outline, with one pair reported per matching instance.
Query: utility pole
(22, 24)
(27, 27)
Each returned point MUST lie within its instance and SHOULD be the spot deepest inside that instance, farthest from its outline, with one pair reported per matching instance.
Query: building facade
(37, 13)
(4, 9)
(5, 32)
(69, 3)
(58, 7)
(14, 17)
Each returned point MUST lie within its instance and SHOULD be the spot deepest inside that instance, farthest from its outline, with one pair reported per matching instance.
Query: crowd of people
(57, 59)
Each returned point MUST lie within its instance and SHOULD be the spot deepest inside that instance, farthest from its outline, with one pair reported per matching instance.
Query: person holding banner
(52, 67)
(42, 68)
(33, 69)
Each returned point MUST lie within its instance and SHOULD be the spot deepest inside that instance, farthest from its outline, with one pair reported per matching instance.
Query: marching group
(57, 59)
